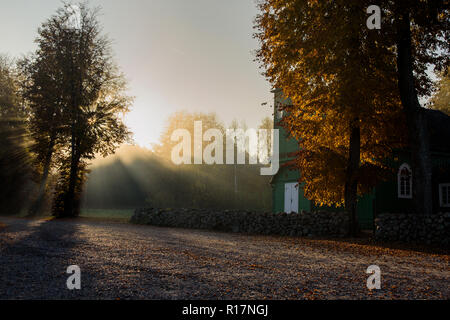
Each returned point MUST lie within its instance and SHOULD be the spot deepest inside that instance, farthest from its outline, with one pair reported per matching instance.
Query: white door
(291, 197)
(294, 197)
(287, 198)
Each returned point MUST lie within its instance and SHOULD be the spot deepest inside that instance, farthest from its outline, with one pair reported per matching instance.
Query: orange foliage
(324, 58)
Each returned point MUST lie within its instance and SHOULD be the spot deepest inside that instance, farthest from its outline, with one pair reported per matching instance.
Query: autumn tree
(79, 102)
(342, 83)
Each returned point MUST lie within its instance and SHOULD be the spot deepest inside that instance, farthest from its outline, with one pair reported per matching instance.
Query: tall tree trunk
(415, 117)
(69, 203)
(69, 208)
(37, 204)
(351, 180)
(74, 158)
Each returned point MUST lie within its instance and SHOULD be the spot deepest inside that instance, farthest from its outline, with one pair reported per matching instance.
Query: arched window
(404, 180)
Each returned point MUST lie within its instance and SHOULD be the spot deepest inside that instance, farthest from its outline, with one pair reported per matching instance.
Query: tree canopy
(345, 81)
(323, 57)
(77, 98)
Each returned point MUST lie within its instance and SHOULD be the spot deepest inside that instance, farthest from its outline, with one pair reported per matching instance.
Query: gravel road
(124, 261)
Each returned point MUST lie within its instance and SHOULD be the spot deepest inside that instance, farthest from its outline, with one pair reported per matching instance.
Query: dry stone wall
(433, 229)
(301, 224)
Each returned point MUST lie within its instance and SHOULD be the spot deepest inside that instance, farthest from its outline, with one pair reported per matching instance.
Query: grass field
(113, 214)
(116, 214)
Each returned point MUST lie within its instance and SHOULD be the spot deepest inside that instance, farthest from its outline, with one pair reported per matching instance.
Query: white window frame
(441, 203)
(279, 112)
(400, 195)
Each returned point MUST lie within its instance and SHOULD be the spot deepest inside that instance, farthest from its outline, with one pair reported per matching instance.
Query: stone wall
(433, 229)
(301, 224)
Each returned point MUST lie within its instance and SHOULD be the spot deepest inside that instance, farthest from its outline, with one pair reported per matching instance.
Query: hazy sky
(195, 55)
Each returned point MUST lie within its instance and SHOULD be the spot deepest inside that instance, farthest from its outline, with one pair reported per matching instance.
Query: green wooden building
(391, 196)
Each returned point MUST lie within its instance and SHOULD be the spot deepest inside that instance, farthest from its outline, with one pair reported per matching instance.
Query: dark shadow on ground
(34, 256)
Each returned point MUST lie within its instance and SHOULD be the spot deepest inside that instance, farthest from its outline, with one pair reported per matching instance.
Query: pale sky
(193, 55)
